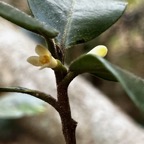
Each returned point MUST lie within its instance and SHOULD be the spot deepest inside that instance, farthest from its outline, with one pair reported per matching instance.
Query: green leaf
(77, 21)
(19, 105)
(22, 19)
(92, 64)
(133, 85)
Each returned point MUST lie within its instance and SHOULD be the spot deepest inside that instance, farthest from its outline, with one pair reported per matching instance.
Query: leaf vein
(68, 23)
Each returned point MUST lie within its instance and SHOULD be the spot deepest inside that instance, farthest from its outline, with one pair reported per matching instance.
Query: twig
(43, 96)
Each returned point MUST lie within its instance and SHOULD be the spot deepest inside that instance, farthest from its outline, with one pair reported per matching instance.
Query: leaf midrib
(67, 26)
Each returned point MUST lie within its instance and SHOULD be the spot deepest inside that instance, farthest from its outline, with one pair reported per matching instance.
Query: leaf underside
(20, 18)
(133, 85)
(77, 21)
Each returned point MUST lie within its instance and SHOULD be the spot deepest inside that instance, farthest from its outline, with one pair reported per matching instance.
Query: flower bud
(99, 50)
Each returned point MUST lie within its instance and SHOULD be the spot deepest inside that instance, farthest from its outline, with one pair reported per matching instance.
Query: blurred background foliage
(125, 41)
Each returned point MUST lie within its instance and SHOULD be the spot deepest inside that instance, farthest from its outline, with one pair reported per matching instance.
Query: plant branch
(68, 124)
(51, 46)
(68, 78)
(43, 96)
(54, 49)
(63, 79)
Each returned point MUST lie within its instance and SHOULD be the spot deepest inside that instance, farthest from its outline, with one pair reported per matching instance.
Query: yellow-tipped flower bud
(99, 50)
(44, 58)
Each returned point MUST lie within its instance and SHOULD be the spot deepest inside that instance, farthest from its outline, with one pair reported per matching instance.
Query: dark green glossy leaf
(19, 105)
(22, 19)
(77, 21)
(133, 85)
(94, 65)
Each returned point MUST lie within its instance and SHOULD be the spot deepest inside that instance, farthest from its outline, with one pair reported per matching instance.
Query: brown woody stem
(68, 124)
(63, 79)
